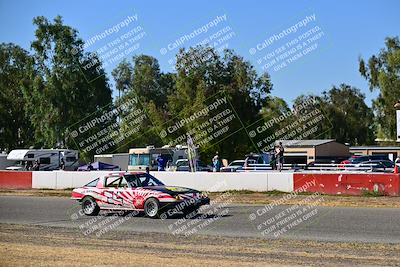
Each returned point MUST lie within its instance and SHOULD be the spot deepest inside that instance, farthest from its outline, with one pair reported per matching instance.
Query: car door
(112, 192)
(137, 191)
(124, 194)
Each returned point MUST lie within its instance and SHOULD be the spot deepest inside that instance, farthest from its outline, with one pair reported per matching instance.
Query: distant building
(391, 151)
(319, 150)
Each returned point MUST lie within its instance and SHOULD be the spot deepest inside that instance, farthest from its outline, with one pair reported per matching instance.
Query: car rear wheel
(90, 207)
(152, 208)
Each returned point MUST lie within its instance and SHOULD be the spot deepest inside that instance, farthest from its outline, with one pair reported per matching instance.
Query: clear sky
(340, 32)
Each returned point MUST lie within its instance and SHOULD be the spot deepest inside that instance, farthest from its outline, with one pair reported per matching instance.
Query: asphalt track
(313, 223)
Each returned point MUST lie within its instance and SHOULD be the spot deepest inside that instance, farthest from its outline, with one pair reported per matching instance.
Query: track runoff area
(303, 226)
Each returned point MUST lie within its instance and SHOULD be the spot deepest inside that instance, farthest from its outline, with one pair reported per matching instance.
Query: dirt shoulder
(255, 198)
(53, 246)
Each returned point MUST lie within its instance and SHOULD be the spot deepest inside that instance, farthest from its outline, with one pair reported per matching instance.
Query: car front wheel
(90, 207)
(152, 208)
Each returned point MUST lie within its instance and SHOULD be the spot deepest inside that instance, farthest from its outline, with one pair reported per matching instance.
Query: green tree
(274, 107)
(16, 73)
(70, 86)
(143, 79)
(202, 73)
(346, 116)
(382, 71)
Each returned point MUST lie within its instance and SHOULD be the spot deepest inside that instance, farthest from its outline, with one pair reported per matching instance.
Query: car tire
(152, 208)
(89, 206)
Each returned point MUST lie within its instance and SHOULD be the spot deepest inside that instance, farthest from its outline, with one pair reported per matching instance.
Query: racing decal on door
(113, 198)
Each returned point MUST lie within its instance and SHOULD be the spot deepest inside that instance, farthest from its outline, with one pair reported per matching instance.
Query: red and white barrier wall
(334, 183)
(15, 180)
(200, 180)
(348, 183)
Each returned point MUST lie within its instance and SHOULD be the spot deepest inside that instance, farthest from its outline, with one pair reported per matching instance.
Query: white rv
(140, 158)
(49, 159)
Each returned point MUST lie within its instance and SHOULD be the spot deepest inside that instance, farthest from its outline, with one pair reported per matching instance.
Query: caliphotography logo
(226, 133)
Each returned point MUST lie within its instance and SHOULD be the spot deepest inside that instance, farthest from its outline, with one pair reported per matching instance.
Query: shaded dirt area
(54, 246)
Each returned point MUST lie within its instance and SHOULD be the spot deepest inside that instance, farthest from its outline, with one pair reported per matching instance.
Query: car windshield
(237, 163)
(148, 180)
(142, 180)
(182, 163)
(358, 160)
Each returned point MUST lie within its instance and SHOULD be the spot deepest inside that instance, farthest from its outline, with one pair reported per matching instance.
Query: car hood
(172, 190)
(14, 168)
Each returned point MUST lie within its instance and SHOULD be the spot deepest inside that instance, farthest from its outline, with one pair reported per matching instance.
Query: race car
(137, 191)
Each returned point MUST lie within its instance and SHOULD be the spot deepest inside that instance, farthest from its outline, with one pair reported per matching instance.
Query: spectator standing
(36, 166)
(280, 158)
(28, 165)
(272, 159)
(161, 163)
(216, 163)
(62, 164)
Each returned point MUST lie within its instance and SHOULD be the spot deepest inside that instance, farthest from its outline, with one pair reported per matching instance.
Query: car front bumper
(184, 204)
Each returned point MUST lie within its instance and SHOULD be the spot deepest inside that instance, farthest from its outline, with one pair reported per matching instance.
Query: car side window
(123, 182)
(134, 182)
(112, 181)
(93, 183)
(147, 181)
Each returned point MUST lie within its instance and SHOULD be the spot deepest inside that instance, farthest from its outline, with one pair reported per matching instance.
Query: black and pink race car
(137, 191)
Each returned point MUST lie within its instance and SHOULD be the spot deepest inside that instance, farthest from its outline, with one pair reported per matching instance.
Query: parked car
(321, 165)
(137, 191)
(376, 165)
(182, 165)
(359, 159)
(235, 165)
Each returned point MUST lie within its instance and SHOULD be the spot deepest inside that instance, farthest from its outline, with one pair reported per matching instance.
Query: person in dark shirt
(90, 167)
(272, 162)
(62, 164)
(36, 166)
(161, 163)
(280, 158)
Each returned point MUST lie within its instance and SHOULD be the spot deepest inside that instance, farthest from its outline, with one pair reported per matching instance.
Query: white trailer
(49, 159)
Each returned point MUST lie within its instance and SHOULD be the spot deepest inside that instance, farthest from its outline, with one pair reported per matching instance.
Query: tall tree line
(45, 90)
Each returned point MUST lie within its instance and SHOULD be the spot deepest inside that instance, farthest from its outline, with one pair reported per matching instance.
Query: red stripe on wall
(348, 183)
(15, 180)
